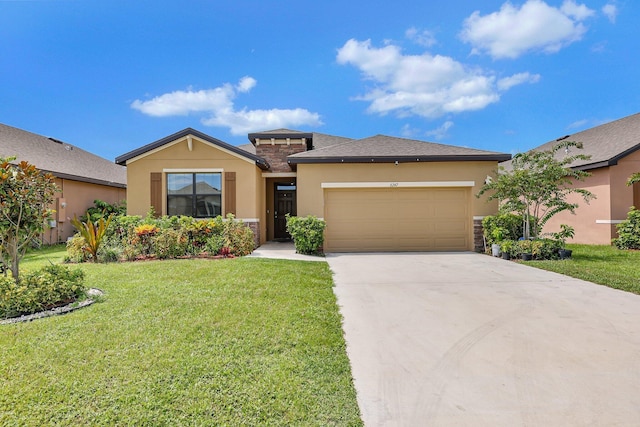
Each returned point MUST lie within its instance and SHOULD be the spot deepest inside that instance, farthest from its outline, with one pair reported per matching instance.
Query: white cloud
(408, 131)
(578, 124)
(423, 85)
(423, 38)
(246, 84)
(579, 12)
(441, 132)
(517, 79)
(181, 103)
(611, 12)
(218, 106)
(245, 121)
(535, 26)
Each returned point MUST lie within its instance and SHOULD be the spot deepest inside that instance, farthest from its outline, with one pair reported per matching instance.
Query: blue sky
(111, 76)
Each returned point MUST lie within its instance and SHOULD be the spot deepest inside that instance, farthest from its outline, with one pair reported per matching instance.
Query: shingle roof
(60, 158)
(382, 148)
(606, 144)
(322, 140)
(260, 162)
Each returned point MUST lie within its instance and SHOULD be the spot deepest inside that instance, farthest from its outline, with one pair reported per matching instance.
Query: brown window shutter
(156, 192)
(230, 192)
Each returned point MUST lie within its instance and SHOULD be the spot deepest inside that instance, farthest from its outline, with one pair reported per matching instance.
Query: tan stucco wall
(78, 196)
(311, 176)
(249, 188)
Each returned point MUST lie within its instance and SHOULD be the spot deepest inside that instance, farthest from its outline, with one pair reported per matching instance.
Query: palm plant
(92, 233)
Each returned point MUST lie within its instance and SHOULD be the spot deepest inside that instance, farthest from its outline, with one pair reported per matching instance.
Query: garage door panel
(399, 219)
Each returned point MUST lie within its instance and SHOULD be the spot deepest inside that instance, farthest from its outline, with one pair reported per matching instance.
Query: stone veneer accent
(478, 235)
(275, 152)
(255, 227)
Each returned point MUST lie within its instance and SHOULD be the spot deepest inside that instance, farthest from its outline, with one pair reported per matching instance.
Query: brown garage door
(398, 219)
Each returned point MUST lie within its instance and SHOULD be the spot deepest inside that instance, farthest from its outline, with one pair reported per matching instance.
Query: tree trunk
(14, 257)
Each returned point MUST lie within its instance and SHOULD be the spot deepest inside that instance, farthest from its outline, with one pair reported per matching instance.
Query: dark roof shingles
(606, 143)
(60, 158)
(388, 147)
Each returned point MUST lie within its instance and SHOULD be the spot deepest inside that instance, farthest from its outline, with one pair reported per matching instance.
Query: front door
(285, 203)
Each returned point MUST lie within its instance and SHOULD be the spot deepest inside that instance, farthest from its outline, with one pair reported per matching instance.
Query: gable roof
(606, 144)
(259, 161)
(388, 149)
(60, 158)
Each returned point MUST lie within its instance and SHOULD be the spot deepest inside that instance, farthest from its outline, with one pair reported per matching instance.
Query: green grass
(43, 256)
(185, 342)
(602, 264)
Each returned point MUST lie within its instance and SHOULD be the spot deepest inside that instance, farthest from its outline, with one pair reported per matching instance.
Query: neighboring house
(614, 150)
(378, 193)
(81, 177)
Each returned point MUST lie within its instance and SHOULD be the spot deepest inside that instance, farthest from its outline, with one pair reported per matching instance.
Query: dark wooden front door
(285, 203)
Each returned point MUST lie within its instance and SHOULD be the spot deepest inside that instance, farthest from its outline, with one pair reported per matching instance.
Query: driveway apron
(463, 339)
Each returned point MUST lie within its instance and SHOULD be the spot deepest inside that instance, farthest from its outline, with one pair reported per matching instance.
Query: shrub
(128, 237)
(111, 253)
(103, 209)
(541, 249)
(200, 230)
(40, 290)
(144, 235)
(238, 237)
(170, 243)
(546, 249)
(504, 226)
(629, 231)
(307, 233)
(75, 249)
(215, 244)
(508, 246)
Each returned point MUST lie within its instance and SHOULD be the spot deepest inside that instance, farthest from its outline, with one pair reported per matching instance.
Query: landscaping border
(93, 292)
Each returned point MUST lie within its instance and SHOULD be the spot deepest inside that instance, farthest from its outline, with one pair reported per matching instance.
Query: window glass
(179, 183)
(194, 194)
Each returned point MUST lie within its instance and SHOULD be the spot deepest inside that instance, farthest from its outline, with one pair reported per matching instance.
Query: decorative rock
(91, 293)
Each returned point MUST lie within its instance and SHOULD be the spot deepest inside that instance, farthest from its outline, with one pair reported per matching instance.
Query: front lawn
(601, 264)
(185, 342)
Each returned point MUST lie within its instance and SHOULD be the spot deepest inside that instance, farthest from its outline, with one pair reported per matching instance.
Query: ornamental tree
(25, 196)
(634, 178)
(538, 184)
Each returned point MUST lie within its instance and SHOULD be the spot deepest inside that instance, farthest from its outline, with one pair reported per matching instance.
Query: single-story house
(376, 194)
(615, 155)
(81, 177)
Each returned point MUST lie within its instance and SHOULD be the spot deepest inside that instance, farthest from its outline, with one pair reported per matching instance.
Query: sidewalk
(282, 250)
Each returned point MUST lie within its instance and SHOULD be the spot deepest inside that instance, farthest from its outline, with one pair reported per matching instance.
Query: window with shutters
(194, 194)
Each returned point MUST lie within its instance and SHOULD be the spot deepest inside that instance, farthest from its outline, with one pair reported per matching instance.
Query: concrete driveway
(463, 339)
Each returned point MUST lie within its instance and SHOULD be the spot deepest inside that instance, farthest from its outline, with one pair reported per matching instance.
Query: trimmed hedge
(307, 233)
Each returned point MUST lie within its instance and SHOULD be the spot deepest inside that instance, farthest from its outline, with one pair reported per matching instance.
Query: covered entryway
(284, 195)
(400, 217)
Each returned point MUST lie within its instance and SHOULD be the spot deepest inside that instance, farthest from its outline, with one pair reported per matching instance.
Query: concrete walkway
(282, 250)
(465, 339)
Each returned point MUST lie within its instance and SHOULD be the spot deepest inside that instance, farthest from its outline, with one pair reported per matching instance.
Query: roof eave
(262, 135)
(122, 160)
(85, 179)
(400, 159)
